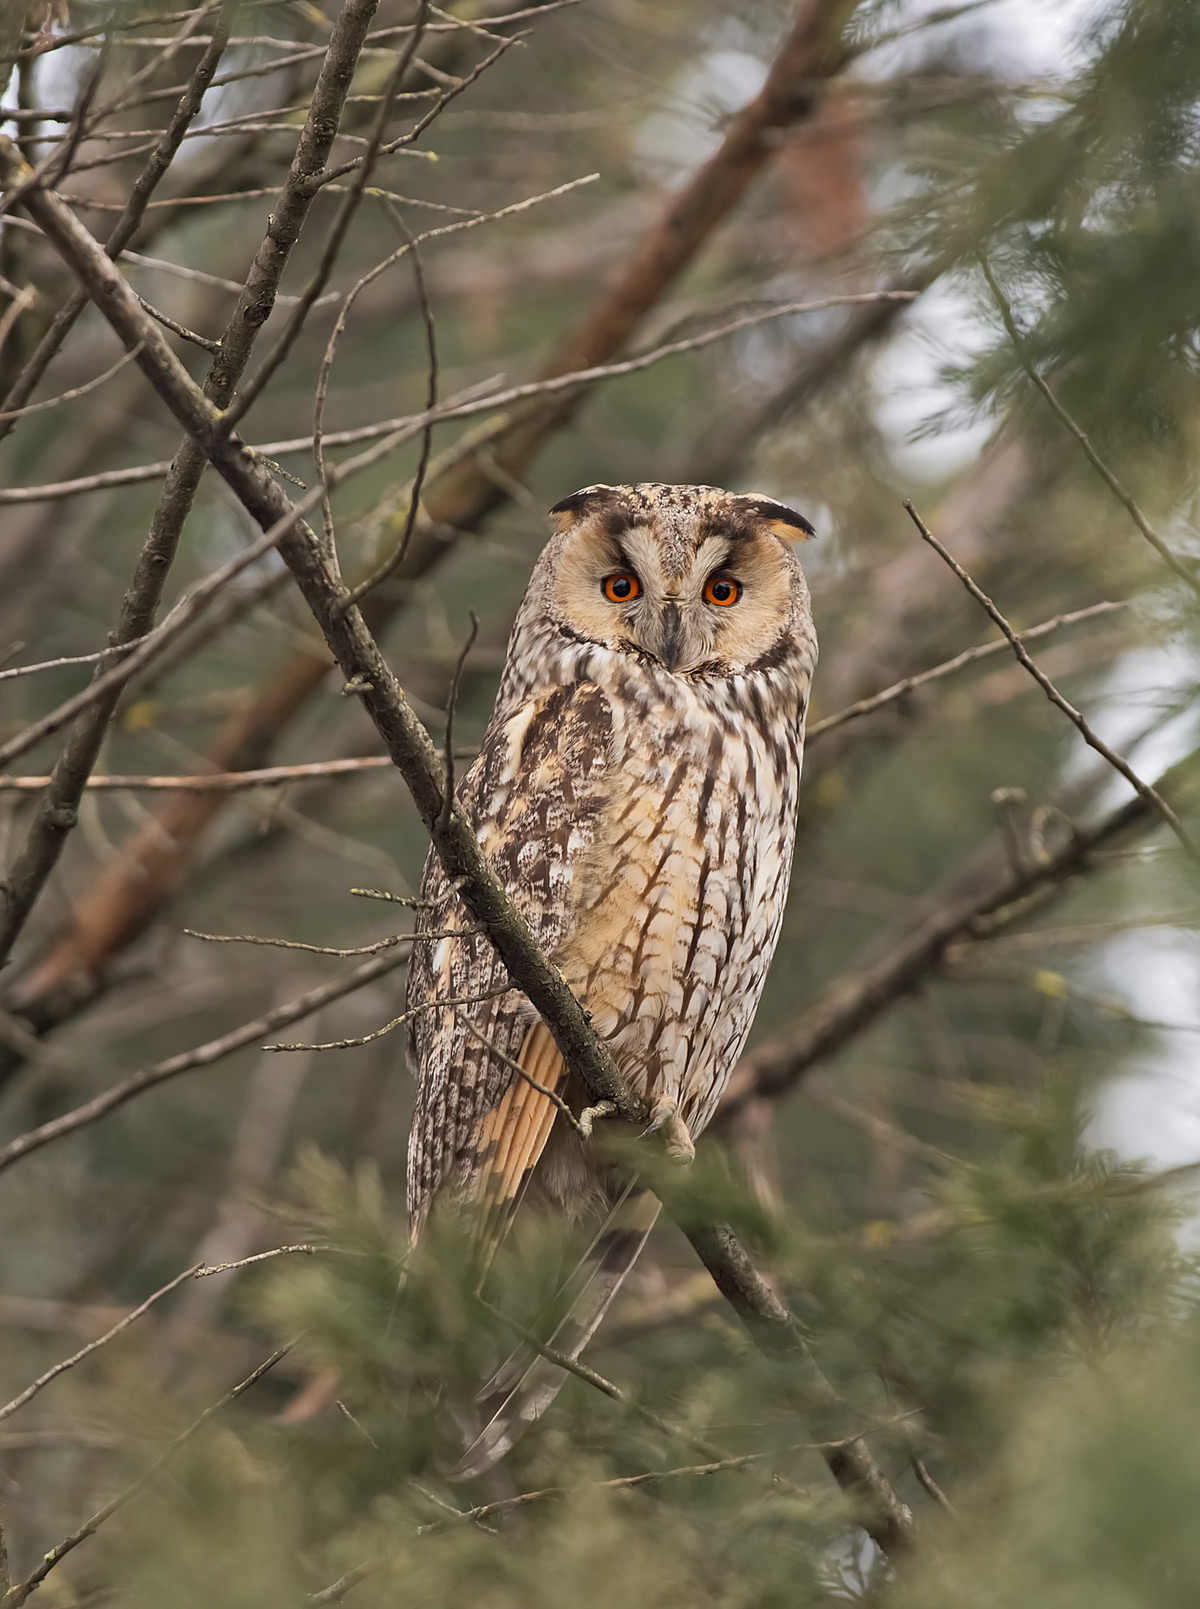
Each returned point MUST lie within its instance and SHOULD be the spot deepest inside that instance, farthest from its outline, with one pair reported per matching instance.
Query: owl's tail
(526, 1383)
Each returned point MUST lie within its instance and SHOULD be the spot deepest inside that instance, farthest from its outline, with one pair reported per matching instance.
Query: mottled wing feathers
(513, 1135)
(535, 795)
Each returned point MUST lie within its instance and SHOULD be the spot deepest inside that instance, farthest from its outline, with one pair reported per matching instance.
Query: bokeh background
(964, 1197)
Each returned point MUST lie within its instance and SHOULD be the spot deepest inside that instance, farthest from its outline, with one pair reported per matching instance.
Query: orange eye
(622, 586)
(722, 590)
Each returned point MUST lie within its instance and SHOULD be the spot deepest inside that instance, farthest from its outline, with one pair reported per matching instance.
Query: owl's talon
(665, 1120)
(589, 1115)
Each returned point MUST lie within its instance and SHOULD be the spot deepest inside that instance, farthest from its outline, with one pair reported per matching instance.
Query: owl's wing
(534, 796)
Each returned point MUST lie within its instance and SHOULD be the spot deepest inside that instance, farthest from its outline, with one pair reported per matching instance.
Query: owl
(636, 793)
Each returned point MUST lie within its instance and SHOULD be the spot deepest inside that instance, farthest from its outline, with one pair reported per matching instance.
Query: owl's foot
(589, 1115)
(665, 1120)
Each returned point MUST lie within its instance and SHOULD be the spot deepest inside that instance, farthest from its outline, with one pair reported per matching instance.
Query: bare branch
(31, 1391)
(1090, 737)
(72, 395)
(859, 998)
(58, 664)
(17, 1594)
(1115, 486)
(325, 949)
(969, 656)
(405, 1016)
(275, 776)
(303, 1250)
(168, 323)
(127, 224)
(205, 1055)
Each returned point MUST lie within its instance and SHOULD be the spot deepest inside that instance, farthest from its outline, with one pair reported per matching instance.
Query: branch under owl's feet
(665, 1119)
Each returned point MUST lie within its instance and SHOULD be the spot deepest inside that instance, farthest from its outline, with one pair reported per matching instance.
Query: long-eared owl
(636, 793)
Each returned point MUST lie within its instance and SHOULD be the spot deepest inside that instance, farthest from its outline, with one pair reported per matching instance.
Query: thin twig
(206, 1270)
(515, 1067)
(58, 664)
(17, 1594)
(168, 323)
(1090, 737)
(969, 656)
(213, 1050)
(73, 394)
(276, 776)
(1115, 486)
(325, 949)
(625, 1483)
(393, 562)
(396, 1022)
(408, 900)
(31, 1391)
(931, 1486)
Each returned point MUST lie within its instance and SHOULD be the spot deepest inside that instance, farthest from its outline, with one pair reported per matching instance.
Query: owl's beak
(672, 634)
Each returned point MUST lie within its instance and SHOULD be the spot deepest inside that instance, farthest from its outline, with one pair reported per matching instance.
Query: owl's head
(695, 579)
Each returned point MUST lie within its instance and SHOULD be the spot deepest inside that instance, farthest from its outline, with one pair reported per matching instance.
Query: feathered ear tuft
(587, 501)
(780, 520)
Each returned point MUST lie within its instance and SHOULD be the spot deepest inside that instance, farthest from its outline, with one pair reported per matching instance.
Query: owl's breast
(680, 896)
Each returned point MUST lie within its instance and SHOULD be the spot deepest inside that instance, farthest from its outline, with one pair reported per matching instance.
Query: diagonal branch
(126, 225)
(858, 999)
(19, 1592)
(125, 896)
(1089, 735)
(1115, 486)
(214, 1050)
(586, 1055)
(57, 813)
(31, 1390)
(969, 656)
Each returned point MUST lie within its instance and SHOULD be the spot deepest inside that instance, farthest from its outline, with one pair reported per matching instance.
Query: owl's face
(695, 580)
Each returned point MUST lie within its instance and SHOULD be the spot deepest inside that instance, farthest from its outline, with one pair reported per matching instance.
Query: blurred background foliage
(978, 1202)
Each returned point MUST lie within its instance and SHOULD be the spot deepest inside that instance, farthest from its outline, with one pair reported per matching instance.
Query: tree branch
(585, 1054)
(20, 1591)
(126, 225)
(1115, 486)
(213, 1050)
(857, 999)
(1090, 737)
(125, 895)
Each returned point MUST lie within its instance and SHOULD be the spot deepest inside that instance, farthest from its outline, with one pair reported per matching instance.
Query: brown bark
(125, 896)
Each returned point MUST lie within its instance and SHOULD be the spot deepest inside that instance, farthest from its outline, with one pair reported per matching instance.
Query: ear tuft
(780, 520)
(587, 501)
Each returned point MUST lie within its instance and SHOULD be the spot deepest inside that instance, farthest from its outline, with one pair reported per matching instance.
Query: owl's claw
(665, 1120)
(589, 1115)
